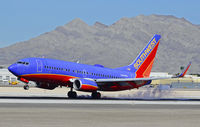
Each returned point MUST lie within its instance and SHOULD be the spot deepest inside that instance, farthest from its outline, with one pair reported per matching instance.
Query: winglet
(184, 71)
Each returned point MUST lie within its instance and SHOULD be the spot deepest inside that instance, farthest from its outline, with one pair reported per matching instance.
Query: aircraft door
(39, 65)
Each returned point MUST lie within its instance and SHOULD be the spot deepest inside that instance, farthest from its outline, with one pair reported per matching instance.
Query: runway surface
(138, 108)
(62, 112)
(87, 101)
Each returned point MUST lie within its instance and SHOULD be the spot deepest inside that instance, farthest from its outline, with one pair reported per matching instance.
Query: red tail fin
(144, 62)
(142, 65)
(184, 71)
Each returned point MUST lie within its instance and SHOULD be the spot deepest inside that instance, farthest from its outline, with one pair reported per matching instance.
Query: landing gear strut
(96, 95)
(72, 94)
(26, 87)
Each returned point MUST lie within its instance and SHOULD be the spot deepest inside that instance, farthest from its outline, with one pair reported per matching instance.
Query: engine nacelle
(85, 85)
(46, 86)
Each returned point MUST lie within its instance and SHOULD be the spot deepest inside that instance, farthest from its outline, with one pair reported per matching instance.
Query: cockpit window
(19, 62)
(25, 63)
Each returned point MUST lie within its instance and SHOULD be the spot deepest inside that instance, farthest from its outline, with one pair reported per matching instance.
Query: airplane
(184, 71)
(51, 73)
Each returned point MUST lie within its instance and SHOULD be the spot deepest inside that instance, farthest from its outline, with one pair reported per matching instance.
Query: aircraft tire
(26, 87)
(72, 94)
(96, 95)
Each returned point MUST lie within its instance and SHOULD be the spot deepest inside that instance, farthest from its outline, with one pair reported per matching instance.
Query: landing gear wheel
(96, 95)
(26, 87)
(72, 94)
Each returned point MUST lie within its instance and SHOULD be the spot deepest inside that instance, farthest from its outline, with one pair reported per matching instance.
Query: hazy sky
(21, 20)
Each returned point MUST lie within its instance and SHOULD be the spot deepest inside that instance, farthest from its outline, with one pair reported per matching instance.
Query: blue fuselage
(30, 66)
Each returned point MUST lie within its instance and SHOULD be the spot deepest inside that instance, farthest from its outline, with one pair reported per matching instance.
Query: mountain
(117, 44)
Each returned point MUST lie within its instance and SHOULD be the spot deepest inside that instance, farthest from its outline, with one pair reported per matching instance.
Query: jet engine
(85, 85)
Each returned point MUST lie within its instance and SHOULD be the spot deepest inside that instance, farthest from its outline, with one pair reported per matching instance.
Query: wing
(124, 83)
(129, 79)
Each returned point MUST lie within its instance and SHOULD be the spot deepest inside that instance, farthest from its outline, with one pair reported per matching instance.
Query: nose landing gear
(26, 87)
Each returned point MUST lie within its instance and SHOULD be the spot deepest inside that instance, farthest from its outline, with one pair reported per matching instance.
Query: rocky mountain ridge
(117, 44)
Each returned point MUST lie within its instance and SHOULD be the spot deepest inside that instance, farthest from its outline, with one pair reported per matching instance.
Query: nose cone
(13, 69)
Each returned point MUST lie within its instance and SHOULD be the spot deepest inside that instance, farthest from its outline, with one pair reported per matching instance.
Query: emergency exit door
(39, 65)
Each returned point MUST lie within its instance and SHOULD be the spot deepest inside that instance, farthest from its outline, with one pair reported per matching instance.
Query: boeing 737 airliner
(51, 73)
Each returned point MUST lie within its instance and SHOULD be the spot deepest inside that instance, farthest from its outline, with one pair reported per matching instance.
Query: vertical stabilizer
(143, 63)
(185, 70)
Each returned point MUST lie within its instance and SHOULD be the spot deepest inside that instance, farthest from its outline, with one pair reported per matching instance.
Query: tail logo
(146, 52)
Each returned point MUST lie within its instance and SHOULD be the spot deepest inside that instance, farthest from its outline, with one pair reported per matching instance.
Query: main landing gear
(96, 95)
(72, 94)
(26, 87)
